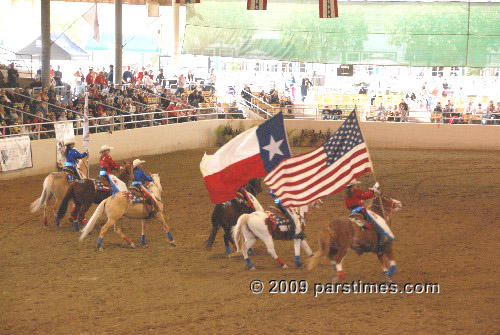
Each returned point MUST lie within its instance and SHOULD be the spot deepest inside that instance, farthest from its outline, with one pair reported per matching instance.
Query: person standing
(127, 75)
(58, 76)
(304, 88)
(110, 75)
(181, 81)
(403, 108)
(12, 76)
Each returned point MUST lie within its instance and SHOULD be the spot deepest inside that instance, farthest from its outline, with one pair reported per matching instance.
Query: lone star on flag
(273, 147)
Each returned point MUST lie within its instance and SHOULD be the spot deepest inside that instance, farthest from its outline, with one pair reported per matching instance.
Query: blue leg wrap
(251, 252)
(392, 270)
(297, 261)
(228, 249)
(143, 239)
(170, 237)
(99, 243)
(77, 225)
(248, 263)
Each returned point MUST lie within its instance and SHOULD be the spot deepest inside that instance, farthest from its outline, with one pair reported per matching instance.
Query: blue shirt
(72, 156)
(141, 177)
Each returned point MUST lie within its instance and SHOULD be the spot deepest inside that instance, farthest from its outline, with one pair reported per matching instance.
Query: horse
(83, 193)
(226, 215)
(120, 205)
(55, 185)
(343, 233)
(259, 225)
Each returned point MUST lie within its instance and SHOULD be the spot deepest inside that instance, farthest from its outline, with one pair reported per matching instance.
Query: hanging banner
(15, 153)
(183, 2)
(256, 4)
(328, 9)
(64, 132)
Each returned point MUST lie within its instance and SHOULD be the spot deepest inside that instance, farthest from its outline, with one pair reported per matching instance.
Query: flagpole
(373, 169)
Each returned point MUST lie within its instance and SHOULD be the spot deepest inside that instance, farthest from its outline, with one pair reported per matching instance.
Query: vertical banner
(86, 131)
(64, 132)
(15, 153)
(328, 9)
(256, 4)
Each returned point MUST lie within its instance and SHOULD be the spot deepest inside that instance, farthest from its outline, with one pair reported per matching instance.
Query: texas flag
(251, 154)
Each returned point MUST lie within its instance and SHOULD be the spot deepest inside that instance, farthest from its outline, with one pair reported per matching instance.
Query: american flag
(302, 179)
(256, 4)
(328, 9)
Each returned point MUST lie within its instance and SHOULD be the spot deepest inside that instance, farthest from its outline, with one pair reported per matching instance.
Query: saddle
(70, 175)
(101, 184)
(243, 200)
(137, 196)
(364, 225)
(278, 226)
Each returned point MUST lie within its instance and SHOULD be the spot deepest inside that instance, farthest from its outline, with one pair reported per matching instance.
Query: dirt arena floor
(447, 233)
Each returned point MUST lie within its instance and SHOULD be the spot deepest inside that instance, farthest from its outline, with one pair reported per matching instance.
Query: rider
(140, 177)
(354, 201)
(72, 156)
(277, 202)
(107, 165)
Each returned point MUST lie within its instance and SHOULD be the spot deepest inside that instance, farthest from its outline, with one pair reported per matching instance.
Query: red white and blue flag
(256, 4)
(302, 179)
(251, 154)
(328, 9)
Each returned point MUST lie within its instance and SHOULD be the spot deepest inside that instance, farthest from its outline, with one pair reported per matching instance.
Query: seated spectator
(381, 113)
(336, 113)
(326, 113)
(12, 76)
(274, 99)
(127, 76)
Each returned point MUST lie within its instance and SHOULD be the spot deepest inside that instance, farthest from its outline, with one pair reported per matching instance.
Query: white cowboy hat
(105, 147)
(137, 162)
(68, 142)
(353, 182)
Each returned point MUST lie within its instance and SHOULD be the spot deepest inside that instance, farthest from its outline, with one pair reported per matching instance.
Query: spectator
(12, 76)
(403, 109)
(381, 113)
(274, 99)
(58, 76)
(100, 80)
(127, 75)
(246, 93)
(304, 87)
(211, 79)
(160, 78)
(91, 76)
(190, 76)
(181, 81)
(110, 74)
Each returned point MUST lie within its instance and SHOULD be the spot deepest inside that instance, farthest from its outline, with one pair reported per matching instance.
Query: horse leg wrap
(280, 261)
(297, 261)
(143, 239)
(251, 252)
(341, 274)
(392, 270)
(99, 243)
(127, 239)
(76, 223)
(248, 263)
(170, 237)
(228, 249)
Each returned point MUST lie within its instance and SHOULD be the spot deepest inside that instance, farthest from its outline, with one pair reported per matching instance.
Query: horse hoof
(252, 268)
(173, 244)
(100, 249)
(132, 245)
(298, 265)
(233, 254)
(284, 266)
(145, 245)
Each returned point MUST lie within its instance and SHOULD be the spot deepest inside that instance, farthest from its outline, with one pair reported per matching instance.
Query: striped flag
(328, 9)
(256, 4)
(302, 179)
(86, 132)
(183, 2)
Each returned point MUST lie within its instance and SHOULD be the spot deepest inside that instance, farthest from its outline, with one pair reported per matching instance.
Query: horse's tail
(215, 227)
(63, 207)
(325, 241)
(237, 231)
(93, 220)
(46, 191)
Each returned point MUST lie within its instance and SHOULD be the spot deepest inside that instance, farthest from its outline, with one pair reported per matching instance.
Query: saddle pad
(279, 223)
(134, 198)
(71, 178)
(100, 187)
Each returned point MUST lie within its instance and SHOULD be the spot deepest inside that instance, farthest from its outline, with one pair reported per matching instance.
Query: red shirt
(357, 198)
(90, 78)
(109, 164)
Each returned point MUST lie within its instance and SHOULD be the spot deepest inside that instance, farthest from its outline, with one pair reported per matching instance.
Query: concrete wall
(133, 143)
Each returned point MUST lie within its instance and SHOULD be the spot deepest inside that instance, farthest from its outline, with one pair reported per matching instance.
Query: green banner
(381, 33)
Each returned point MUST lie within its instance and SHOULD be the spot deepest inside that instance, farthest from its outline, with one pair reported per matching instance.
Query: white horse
(119, 205)
(251, 227)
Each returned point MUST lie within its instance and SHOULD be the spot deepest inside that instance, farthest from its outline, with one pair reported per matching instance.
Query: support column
(175, 22)
(46, 42)
(117, 75)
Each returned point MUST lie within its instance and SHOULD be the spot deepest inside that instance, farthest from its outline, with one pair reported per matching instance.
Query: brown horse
(55, 185)
(83, 193)
(226, 215)
(343, 233)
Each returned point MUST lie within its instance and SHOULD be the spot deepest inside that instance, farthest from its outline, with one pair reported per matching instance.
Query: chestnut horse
(226, 215)
(343, 233)
(83, 193)
(55, 185)
(119, 206)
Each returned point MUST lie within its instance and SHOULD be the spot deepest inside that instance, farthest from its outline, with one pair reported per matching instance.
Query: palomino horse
(226, 215)
(55, 185)
(84, 194)
(120, 205)
(343, 233)
(257, 225)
